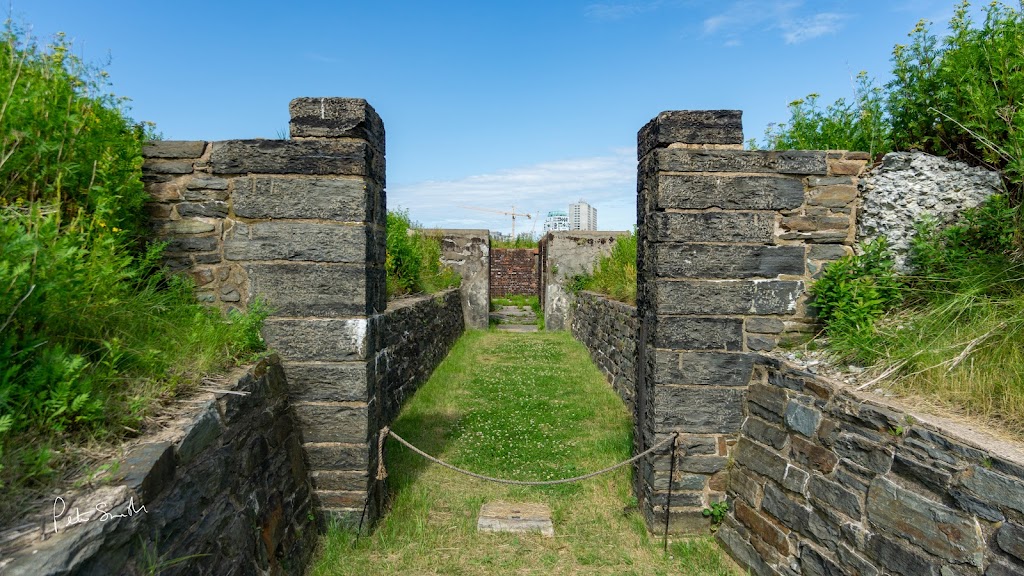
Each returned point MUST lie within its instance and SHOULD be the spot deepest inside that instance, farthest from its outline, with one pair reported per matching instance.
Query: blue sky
(488, 104)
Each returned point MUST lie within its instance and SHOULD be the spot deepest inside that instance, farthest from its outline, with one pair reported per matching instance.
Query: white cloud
(789, 17)
(607, 182)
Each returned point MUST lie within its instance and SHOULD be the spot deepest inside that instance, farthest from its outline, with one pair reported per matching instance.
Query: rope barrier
(382, 471)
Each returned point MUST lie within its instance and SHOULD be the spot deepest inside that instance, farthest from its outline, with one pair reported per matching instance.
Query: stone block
(764, 325)
(207, 183)
(795, 480)
(690, 127)
(993, 488)
(323, 290)
(807, 163)
(336, 118)
(845, 167)
(173, 149)
(764, 528)
(809, 454)
(814, 223)
(760, 459)
(864, 452)
(202, 434)
(770, 398)
(698, 333)
(740, 549)
(315, 242)
(832, 196)
(765, 433)
(802, 418)
(1010, 538)
(212, 209)
(702, 368)
(340, 480)
(828, 252)
(698, 410)
(927, 523)
(329, 381)
(753, 227)
(899, 558)
(696, 192)
(184, 227)
(337, 456)
(331, 340)
(832, 495)
(333, 421)
(682, 260)
(816, 563)
(914, 469)
(312, 157)
(148, 469)
(785, 509)
(345, 199)
(727, 296)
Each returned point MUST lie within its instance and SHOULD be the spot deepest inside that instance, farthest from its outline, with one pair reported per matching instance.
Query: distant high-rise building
(556, 220)
(582, 216)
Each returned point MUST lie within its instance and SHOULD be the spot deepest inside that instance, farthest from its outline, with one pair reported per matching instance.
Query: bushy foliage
(856, 125)
(963, 97)
(854, 292)
(413, 262)
(92, 332)
(615, 274)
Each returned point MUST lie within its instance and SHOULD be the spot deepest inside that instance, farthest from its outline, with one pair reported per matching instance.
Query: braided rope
(382, 472)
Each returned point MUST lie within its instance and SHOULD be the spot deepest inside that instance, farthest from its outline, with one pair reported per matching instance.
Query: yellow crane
(513, 214)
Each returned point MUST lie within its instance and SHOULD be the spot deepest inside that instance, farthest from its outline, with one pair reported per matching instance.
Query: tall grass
(413, 263)
(92, 332)
(615, 274)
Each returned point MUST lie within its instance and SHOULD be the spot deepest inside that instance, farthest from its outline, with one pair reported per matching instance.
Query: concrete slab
(515, 517)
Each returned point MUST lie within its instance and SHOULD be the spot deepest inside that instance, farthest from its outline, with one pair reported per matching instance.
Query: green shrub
(413, 262)
(522, 240)
(858, 125)
(92, 332)
(853, 293)
(963, 98)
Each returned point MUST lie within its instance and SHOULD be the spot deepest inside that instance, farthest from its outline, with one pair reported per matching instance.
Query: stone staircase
(515, 319)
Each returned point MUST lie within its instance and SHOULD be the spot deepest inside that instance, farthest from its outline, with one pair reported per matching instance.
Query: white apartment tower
(582, 216)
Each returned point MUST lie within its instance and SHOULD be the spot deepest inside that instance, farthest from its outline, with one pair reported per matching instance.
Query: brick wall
(514, 271)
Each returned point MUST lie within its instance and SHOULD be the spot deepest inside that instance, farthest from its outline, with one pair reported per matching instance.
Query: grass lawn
(525, 407)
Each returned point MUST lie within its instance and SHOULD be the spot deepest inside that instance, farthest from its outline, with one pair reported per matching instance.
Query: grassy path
(522, 406)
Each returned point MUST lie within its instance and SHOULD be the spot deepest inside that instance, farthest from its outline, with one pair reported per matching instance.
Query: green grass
(520, 406)
(523, 302)
(615, 274)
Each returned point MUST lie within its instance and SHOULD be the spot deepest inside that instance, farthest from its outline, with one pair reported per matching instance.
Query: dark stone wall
(608, 329)
(418, 333)
(829, 481)
(300, 224)
(727, 240)
(514, 271)
(226, 490)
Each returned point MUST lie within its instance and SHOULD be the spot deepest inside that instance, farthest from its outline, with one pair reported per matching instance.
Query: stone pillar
(721, 272)
(307, 224)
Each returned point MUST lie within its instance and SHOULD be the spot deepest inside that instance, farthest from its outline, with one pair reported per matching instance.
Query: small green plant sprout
(897, 431)
(716, 512)
(986, 463)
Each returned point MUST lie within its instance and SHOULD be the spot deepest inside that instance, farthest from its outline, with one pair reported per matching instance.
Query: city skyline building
(582, 216)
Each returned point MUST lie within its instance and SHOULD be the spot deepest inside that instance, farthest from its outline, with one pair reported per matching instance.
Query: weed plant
(522, 240)
(520, 406)
(954, 329)
(614, 275)
(413, 263)
(92, 332)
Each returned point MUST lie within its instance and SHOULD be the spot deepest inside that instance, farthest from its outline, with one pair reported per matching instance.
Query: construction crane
(513, 214)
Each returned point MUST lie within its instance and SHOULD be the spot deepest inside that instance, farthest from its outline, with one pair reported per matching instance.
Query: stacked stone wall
(300, 224)
(514, 271)
(727, 242)
(608, 329)
(830, 481)
(418, 333)
(224, 490)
